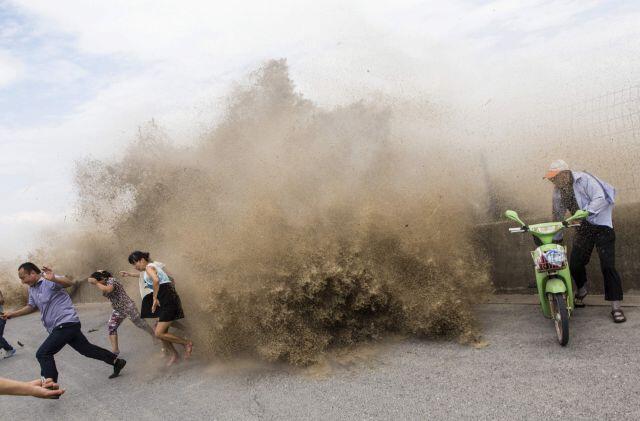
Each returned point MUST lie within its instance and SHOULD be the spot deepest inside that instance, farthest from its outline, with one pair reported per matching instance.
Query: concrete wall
(512, 267)
(511, 264)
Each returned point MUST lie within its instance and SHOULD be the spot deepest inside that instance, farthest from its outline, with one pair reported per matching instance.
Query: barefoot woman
(165, 301)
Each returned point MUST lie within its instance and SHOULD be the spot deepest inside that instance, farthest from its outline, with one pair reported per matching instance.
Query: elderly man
(580, 190)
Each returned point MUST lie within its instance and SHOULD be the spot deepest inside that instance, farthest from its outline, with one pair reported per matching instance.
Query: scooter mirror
(513, 215)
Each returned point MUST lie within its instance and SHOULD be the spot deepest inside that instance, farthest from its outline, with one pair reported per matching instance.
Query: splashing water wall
(292, 229)
(13, 292)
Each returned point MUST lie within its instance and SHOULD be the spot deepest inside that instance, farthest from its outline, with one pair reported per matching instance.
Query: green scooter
(553, 279)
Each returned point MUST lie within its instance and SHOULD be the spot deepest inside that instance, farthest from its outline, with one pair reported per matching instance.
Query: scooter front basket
(550, 260)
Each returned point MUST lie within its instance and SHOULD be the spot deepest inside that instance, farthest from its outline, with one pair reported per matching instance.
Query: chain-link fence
(610, 123)
(600, 134)
(615, 114)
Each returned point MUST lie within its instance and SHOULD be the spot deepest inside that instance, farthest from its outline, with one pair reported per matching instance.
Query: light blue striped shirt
(593, 195)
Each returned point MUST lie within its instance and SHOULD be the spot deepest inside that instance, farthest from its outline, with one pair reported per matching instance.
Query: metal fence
(615, 114)
(608, 125)
(613, 119)
(605, 126)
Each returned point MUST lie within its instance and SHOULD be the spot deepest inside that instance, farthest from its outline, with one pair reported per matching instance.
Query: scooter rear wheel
(560, 317)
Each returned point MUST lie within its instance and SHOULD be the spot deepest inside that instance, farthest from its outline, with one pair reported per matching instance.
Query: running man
(60, 319)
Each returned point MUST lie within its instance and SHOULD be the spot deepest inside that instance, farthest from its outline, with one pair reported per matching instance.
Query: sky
(78, 78)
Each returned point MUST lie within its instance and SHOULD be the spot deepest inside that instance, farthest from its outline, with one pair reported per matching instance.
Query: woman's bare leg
(170, 350)
(162, 332)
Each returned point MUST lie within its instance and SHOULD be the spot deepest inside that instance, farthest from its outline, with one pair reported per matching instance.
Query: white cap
(556, 167)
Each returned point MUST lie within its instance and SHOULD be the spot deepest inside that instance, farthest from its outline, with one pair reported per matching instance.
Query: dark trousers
(603, 239)
(72, 335)
(3, 342)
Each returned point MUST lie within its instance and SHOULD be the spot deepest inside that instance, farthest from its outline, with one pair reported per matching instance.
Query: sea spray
(292, 229)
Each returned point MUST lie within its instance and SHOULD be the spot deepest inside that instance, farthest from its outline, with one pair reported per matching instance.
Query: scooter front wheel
(560, 315)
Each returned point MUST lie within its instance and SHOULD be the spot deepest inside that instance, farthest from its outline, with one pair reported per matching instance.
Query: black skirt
(145, 308)
(170, 306)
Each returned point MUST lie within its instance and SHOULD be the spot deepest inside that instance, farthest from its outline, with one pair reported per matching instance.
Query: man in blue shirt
(59, 317)
(580, 190)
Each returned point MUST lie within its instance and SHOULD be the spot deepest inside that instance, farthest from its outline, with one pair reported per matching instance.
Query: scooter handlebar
(526, 229)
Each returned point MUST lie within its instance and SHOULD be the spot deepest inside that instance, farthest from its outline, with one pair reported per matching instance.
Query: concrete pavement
(521, 374)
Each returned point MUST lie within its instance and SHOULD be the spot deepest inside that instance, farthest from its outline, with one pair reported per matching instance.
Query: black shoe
(117, 367)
